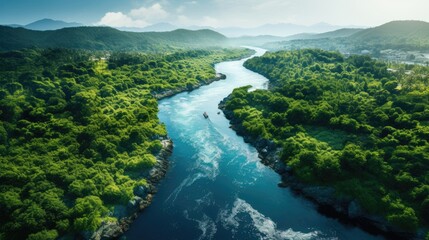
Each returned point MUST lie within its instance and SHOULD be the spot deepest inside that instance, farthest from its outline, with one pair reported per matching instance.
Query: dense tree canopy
(78, 131)
(352, 123)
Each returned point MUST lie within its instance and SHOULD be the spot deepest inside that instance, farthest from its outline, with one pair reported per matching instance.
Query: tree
(88, 211)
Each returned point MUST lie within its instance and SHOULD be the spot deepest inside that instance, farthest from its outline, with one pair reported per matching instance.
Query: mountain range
(279, 29)
(47, 24)
(400, 35)
(405, 35)
(106, 38)
(264, 39)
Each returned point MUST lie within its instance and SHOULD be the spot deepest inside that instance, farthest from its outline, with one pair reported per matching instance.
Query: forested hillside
(78, 132)
(398, 35)
(351, 123)
(106, 38)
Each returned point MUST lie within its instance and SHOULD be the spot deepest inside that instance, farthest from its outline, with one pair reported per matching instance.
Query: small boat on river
(205, 115)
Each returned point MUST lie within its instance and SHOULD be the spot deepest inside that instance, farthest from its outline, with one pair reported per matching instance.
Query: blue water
(216, 188)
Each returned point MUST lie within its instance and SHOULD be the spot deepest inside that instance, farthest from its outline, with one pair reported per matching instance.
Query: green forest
(78, 130)
(108, 39)
(353, 123)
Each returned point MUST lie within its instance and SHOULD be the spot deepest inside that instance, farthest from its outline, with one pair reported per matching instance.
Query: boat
(205, 115)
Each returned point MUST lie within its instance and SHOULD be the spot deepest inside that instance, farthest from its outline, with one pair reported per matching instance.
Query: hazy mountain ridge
(401, 35)
(268, 39)
(47, 24)
(344, 32)
(106, 38)
(397, 28)
(280, 29)
(158, 27)
(277, 29)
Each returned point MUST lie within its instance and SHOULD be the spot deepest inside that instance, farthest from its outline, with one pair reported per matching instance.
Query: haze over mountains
(264, 39)
(47, 24)
(279, 29)
(401, 35)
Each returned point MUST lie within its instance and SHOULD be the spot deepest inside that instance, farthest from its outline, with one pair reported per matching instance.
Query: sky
(214, 13)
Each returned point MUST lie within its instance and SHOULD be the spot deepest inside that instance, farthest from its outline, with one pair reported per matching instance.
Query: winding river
(216, 188)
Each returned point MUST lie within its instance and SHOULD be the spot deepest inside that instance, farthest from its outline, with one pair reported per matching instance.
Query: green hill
(399, 35)
(344, 32)
(396, 30)
(396, 34)
(106, 38)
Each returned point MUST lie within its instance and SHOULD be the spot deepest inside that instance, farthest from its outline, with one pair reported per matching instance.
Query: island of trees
(79, 131)
(355, 124)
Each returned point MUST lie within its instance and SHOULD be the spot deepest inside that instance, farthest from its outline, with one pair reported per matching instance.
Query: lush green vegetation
(399, 35)
(78, 132)
(350, 123)
(106, 38)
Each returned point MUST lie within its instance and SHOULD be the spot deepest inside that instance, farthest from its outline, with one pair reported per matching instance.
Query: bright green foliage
(44, 235)
(89, 211)
(348, 123)
(77, 132)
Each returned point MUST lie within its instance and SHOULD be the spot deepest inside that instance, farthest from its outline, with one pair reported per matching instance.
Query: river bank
(218, 76)
(170, 93)
(328, 202)
(126, 214)
(144, 195)
(216, 187)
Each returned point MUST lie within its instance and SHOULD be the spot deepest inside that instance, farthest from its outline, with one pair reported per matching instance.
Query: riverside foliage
(79, 132)
(351, 123)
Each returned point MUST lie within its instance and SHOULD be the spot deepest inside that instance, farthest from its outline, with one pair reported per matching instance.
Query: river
(216, 188)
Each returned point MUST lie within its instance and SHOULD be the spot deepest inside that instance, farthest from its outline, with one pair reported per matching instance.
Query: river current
(216, 188)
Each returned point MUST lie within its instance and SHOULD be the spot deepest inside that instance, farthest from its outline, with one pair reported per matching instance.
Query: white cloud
(150, 14)
(118, 19)
(139, 17)
(251, 13)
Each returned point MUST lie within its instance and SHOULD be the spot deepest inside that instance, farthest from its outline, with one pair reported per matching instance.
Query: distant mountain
(49, 24)
(106, 38)
(400, 35)
(14, 25)
(265, 39)
(158, 27)
(396, 32)
(255, 40)
(280, 29)
(343, 32)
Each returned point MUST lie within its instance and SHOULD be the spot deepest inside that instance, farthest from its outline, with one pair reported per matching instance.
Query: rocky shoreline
(126, 214)
(346, 209)
(170, 93)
